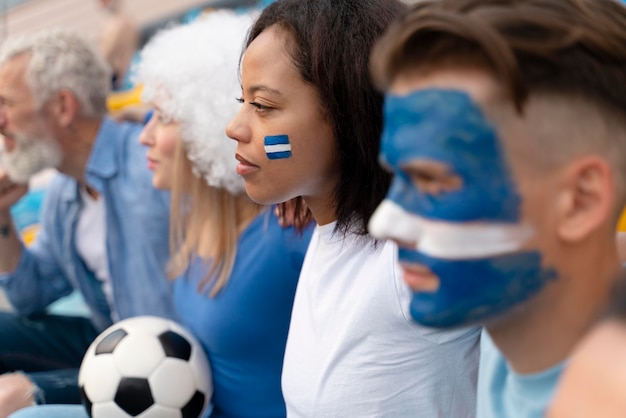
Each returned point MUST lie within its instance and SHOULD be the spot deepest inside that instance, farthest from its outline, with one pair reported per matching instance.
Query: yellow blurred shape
(29, 233)
(621, 224)
(120, 99)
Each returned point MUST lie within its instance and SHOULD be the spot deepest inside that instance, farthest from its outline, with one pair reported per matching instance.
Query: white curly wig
(192, 71)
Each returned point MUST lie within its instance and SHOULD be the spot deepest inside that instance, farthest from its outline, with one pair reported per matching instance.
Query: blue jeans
(48, 349)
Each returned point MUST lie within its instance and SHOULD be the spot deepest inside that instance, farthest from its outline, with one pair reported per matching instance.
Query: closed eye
(260, 107)
(435, 185)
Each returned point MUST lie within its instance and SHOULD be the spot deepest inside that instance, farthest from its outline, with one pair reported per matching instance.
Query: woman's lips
(245, 167)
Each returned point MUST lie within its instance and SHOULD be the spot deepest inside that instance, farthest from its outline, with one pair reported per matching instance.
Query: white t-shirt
(91, 241)
(352, 350)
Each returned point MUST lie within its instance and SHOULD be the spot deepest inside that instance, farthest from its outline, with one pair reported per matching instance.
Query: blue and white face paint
(470, 237)
(277, 147)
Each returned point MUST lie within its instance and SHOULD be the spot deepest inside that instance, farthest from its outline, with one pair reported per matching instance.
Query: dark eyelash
(240, 100)
(259, 106)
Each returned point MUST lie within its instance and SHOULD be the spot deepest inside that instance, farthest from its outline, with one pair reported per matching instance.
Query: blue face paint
(277, 147)
(446, 126)
(148, 116)
(472, 291)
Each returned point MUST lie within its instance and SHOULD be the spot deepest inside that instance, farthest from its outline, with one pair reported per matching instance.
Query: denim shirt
(137, 227)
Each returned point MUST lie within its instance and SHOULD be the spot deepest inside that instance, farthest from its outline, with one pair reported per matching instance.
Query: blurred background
(23, 16)
(88, 16)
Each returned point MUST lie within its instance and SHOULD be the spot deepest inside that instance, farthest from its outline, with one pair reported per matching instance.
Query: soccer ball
(145, 367)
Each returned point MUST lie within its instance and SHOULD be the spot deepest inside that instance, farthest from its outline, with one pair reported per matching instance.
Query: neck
(543, 333)
(247, 210)
(322, 208)
(77, 142)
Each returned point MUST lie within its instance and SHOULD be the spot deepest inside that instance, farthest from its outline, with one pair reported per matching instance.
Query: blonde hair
(191, 71)
(205, 222)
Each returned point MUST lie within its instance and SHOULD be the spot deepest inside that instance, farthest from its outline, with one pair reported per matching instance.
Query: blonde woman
(236, 268)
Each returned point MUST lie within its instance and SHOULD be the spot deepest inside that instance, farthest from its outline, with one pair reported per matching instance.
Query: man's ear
(64, 107)
(586, 198)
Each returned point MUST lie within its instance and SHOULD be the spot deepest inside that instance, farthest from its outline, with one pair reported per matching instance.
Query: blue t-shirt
(244, 327)
(504, 393)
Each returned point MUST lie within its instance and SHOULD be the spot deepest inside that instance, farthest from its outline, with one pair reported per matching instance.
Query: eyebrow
(263, 87)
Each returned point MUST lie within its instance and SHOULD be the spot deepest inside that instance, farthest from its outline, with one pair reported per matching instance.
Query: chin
(263, 196)
(160, 184)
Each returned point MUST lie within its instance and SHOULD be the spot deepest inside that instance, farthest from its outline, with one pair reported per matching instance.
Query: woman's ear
(586, 198)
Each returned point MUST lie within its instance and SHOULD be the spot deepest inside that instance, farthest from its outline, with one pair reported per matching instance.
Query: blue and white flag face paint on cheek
(277, 147)
(472, 237)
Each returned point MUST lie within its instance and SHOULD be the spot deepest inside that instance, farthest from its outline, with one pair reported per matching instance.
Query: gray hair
(62, 59)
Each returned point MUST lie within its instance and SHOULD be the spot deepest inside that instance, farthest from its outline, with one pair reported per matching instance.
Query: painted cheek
(447, 127)
(473, 291)
(277, 147)
(447, 240)
(406, 195)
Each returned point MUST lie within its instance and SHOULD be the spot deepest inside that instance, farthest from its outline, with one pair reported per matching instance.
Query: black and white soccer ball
(145, 367)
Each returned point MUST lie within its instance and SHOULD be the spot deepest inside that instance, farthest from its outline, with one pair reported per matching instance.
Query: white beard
(30, 156)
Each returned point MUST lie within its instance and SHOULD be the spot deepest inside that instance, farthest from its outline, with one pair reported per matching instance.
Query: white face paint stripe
(391, 221)
(277, 148)
(448, 240)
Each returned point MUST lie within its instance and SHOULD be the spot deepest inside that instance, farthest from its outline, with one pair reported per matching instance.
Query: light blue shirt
(137, 227)
(504, 393)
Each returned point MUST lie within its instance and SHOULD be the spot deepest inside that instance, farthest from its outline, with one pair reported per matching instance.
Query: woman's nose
(237, 129)
(146, 136)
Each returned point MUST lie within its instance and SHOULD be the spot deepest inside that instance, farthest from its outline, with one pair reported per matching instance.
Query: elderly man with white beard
(104, 228)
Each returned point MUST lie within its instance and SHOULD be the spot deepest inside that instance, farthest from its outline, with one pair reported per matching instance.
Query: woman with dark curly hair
(309, 127)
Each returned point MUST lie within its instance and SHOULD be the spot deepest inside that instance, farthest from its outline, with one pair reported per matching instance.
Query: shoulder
(267, 225)
(118, 137)
(60, 188)
(128, 132)
(266, 239)
(132, 167)
(131, 154)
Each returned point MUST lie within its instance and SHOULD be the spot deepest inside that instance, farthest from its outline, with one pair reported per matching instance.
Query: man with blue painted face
(505, 129)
